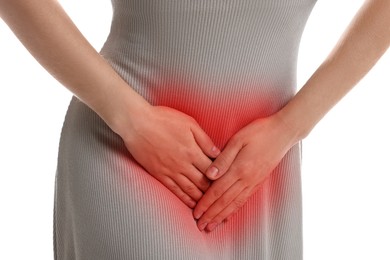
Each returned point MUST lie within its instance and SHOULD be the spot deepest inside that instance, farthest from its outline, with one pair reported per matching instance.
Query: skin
(254, 151)
(250, 155)
(177, 155)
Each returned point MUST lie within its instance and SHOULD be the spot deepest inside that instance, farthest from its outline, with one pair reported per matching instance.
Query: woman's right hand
(167, 143)
(174, 149)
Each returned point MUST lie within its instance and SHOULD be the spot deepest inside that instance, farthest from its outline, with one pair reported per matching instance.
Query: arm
(240, 167)
(51, 37)
(366, 39)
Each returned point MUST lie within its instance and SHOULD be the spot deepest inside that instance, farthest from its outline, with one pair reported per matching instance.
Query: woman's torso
(224, 62)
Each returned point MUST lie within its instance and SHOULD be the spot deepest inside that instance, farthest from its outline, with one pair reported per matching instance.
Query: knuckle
(219, 218)
(173, 187)
(222, 162)
(235, 141)
(243, 182)
(236, 171)
(238, 203)
(204, 184)
(190, 189)
(224, 201)
(231, 214)
(217, 192)
(208, 217)
(257, 186)
(192, 121)
(202, 206)
(192, 153)
(234, 212)
(183, 197)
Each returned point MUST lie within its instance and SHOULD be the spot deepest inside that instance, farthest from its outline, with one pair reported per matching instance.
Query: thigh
(108, 207)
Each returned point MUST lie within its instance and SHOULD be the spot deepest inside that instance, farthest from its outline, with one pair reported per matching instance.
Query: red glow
(221, 114)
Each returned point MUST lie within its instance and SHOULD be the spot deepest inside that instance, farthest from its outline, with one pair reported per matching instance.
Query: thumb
(224, 160)
(204, 141)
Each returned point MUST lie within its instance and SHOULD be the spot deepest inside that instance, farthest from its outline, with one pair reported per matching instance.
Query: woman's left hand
(248, 158)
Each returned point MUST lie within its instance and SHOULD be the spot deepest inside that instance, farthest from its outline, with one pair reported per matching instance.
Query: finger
(232, 208)
(188, 187)
(204, 141)
(229, 218)
(201, 161)
(215, 191)
(198, 178)
(175, 188)
(224, 160)
(224, 201)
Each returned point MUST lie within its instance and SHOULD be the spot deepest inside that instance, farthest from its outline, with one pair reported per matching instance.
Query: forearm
(360, 47)
(51, 37)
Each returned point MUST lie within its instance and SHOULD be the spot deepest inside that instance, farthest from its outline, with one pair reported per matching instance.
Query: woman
(178, 83)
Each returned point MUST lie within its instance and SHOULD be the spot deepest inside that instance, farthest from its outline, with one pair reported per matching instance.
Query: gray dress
(223, 62)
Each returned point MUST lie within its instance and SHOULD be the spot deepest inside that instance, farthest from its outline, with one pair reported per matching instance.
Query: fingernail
(202, 227)
(212, 172)
(192, 204)
(198, 215)
(212, 226)
(215, 150)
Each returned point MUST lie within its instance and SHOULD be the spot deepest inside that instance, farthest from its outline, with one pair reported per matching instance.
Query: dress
(223, 62)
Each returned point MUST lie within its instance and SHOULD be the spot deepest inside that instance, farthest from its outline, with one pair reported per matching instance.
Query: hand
(248, 159)
(173, 148)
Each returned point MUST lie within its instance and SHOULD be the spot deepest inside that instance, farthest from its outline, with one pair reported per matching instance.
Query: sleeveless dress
(223, 62)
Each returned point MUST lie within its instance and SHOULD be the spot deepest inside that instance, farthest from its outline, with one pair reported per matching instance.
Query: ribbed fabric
(223, 62)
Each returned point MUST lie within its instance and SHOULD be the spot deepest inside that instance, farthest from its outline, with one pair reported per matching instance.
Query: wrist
(303, 111)
(122, 110)
(296, 131)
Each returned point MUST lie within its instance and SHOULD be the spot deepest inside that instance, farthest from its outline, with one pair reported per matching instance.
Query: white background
(346, 158)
